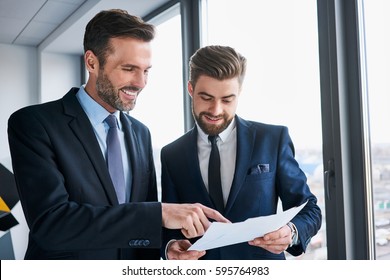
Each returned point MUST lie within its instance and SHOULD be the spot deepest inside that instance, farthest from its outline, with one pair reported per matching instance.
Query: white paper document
(223, 234)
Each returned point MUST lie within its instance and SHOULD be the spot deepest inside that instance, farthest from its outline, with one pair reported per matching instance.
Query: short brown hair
(219, 62)
(114, 23)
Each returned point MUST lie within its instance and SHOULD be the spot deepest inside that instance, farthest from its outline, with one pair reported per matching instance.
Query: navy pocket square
(259, 169)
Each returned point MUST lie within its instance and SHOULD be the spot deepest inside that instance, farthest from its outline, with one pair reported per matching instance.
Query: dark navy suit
(265, 171)
(65, 188)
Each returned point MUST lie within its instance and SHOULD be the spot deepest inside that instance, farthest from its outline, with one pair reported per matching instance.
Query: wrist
(294, 233)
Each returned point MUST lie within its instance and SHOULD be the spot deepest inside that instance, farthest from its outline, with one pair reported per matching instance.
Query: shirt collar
(95, 112)
(224, 135)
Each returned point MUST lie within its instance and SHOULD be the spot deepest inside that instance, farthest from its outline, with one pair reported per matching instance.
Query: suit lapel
(82, 128)
(135, 159)
(245, 143)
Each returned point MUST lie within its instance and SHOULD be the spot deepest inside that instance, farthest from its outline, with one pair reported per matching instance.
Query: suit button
(139, 242)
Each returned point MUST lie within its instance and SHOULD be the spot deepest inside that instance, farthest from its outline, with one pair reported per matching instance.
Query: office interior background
(319, 67)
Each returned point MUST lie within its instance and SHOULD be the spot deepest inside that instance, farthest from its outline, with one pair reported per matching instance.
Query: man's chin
(125, 107)
(212, 129)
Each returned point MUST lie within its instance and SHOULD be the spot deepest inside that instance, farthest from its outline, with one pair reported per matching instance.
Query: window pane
(160, 105)
(279, 39)
(377, 25)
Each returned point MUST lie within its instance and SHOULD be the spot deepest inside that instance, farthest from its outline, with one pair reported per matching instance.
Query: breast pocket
(259, 177)
(258, 193)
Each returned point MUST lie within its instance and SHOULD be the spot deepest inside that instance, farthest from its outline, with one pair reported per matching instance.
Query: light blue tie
(114, 159)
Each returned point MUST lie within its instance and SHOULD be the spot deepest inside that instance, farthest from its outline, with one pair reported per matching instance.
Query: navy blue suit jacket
(253, 193)
(66, 191)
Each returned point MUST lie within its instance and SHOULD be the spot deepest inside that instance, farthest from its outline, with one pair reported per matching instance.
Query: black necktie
(215, 186)
(114, 159)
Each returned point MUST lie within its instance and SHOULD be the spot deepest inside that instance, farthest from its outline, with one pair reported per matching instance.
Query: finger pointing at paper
(192, 219)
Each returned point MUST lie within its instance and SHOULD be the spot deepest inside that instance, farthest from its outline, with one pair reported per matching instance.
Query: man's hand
(177, 250)
(192, 219)
(275, 242)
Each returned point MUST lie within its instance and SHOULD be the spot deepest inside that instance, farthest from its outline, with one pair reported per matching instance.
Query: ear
(190, 89)
(91, 61)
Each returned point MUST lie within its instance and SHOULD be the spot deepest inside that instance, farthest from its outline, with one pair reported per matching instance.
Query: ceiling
(58, 25)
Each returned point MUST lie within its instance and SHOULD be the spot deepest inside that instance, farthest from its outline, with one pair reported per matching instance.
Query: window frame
(346, 143)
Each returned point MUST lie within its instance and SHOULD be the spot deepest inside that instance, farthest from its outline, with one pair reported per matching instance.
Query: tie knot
(111, 121)
(213, 139)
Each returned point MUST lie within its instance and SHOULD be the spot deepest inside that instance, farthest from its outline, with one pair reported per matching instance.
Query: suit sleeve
(294, 191)
(57, 222)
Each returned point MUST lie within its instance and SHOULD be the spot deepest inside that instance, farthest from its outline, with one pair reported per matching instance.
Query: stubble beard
(208, 128)
(110, 95)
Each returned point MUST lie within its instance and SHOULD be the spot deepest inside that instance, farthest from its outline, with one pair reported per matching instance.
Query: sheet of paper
(223, 234)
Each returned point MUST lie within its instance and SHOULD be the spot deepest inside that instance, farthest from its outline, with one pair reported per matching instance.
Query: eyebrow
(134, 66)
(211, 96)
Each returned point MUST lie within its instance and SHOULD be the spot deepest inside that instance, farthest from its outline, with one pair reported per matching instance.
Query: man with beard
(83, 197)
(254, 166)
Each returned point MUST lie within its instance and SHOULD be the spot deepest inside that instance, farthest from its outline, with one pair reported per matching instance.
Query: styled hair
(114, 23)
(218, 62)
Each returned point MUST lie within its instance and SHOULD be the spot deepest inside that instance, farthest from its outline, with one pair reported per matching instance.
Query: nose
(140, 79)
(216, 108)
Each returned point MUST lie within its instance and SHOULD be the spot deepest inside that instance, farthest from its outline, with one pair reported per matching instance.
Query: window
(160, 104)
(377, 24)
(279, 39)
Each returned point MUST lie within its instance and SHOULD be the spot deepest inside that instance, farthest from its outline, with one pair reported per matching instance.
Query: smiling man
(84, 168)
(239, 167)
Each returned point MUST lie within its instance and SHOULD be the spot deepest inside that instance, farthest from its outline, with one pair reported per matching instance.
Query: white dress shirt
(227, 145)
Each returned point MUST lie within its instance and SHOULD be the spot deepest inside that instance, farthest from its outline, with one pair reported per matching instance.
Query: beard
(110, 95)
(211, 129)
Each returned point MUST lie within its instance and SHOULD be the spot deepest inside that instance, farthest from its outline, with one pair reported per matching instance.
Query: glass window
(377, 24)
(160, 104)
(279, 39)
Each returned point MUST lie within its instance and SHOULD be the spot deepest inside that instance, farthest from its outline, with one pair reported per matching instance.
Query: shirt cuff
(167, 247)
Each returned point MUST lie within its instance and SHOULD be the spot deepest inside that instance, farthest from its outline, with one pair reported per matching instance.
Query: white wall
(59, 72)
(19, 86)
